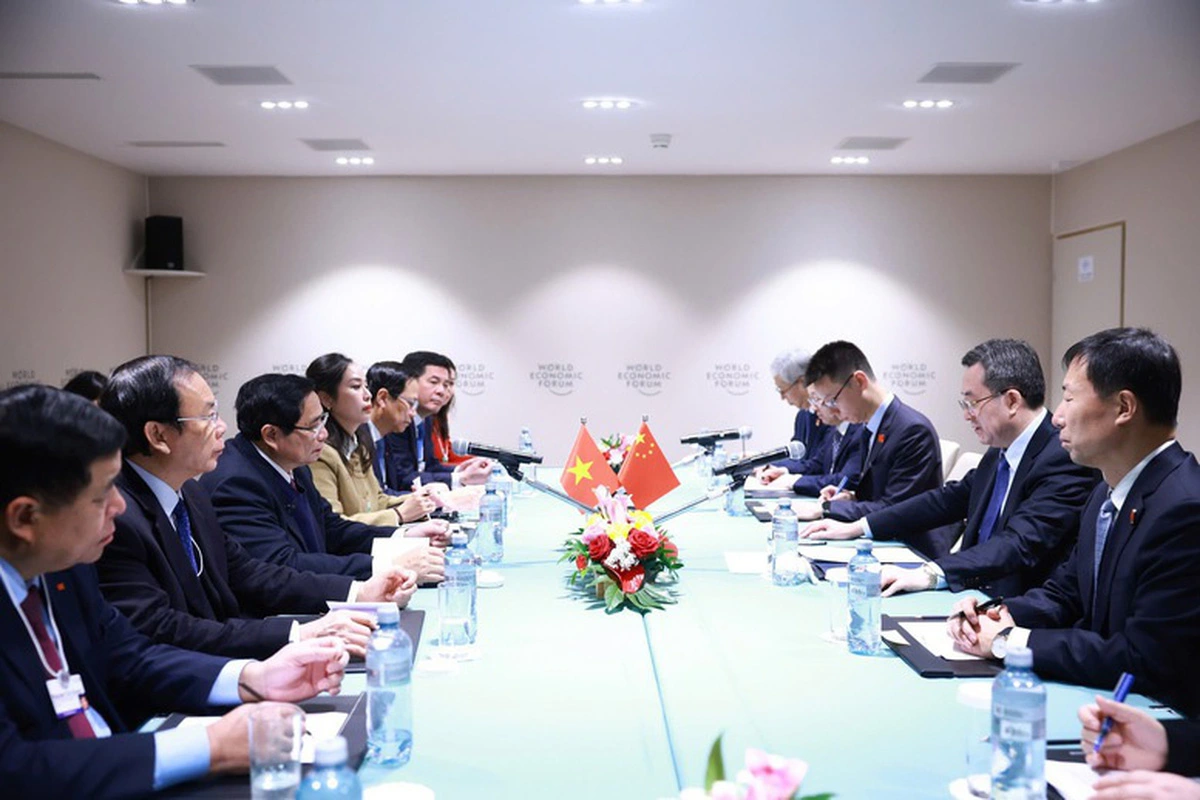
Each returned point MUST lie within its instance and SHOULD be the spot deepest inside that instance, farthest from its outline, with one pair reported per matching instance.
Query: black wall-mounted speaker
(164, 243)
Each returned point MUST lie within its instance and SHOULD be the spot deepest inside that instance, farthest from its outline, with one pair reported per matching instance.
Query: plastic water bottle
(1018, 730)
(785, 534)
(500, 480)
(718, 460)
(389, 691)
(332, 776)
(489, 534)
(456, 598)
(525, 445)
(865, 629)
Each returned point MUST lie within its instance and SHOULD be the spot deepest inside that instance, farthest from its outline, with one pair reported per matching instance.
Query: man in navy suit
(1125, 600)
(411, 453)
(170, 568)
(74, 675)
(1021, 504)
(839, 457)
(787, 370)
(902, 454)
(263, 492)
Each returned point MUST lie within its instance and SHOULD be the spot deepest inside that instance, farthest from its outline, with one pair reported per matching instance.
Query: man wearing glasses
(170, 568)
(1021, 504)
(263, 492)
(902, 455)
(787, 370)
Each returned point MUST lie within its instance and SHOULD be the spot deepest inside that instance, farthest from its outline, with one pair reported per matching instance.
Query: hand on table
(1145, 785)
(352, 627)
(973, 632)
(298, 671)
(831, 493)
(832, 529)
(474, 472)
(769, 473)
(895, 580)
(429, 563)
(229, 742)
(421, 503)
(395, 585)
(1136, 740)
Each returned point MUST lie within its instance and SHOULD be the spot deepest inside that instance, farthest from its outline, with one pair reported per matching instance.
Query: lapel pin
(880, 438)
(62, 587)
(1133, 516)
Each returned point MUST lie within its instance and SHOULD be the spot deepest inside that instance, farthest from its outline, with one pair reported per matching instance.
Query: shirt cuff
(294, 632)
(866, 529)
(180, 754)
(455, 480)
(1019, 637)
(355, 588)
(225, 688)
(941, 575)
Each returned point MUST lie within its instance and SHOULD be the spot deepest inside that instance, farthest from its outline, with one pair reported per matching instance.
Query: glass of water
(276, 736)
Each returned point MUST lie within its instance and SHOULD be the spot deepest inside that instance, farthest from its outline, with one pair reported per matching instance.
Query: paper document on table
(1074, 781)
(317, 727)
(842, 554)
(746, 563)
(385, 549)
(934, 637)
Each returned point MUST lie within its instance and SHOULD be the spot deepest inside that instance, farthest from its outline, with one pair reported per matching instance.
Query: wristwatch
(931, 574)
(1000, 643)
(824, 508)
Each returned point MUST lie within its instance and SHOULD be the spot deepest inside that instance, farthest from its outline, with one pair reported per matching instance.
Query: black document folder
(926, 664)
(238, 786)
(411, 622)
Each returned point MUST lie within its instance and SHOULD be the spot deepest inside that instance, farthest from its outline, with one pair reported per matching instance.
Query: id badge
(66, 696)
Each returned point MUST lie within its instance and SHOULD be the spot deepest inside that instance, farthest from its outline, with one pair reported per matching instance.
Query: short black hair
(837, 361)
(49, 440)
(145, 390)
(1137, 359)
(326, 372)
(388, 375)
(1010, 364)
(415, 362)
(271, 399)
(88, 384)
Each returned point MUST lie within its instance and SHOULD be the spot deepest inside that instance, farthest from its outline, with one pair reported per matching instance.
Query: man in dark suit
(75, 676)
(1149, 757)
(787, 370)
(170, 568)
(902, 454)
(1021, 504)
(1125, 600)
(839, 457)
(263, 492)
(412, 453)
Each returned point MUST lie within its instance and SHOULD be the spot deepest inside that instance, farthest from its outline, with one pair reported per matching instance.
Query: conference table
(565, 700)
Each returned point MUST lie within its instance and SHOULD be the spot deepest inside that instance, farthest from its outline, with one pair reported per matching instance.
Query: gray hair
(790, 365)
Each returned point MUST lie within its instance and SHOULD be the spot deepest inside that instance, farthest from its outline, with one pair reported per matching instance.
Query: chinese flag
(586, 469)
(646, 473)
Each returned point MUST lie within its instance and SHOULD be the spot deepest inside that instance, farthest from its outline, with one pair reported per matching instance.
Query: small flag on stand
(646, 474)
(586, 469)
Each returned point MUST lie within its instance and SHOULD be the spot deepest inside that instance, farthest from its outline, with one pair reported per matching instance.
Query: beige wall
(702, 279)
(69, 224)
(1154, 187)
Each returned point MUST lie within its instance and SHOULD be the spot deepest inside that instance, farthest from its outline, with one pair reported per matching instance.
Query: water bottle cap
(489, 488)
(865, 545)
(1020, 657)
(785, 503)
(331, 751)
(388, 615)
(458, 539)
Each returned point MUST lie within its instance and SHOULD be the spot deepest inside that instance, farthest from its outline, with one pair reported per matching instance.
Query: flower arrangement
(621, 554)
(616, 447)
(765, 777)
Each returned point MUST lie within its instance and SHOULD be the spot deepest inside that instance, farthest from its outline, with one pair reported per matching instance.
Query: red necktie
(32, 606)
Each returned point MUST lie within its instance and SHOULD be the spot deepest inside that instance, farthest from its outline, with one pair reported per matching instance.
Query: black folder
(926, 664)
(238, 786)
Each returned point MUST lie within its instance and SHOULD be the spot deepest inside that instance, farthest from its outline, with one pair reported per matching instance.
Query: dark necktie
(836, 445)
(419, 427)
(183, 527)
(303, 514)
(380, 465)
(1104, 522)
(999, 489)
(32, 606)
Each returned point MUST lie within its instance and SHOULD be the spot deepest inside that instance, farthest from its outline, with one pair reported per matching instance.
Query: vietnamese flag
(646, 473)
(586, 470)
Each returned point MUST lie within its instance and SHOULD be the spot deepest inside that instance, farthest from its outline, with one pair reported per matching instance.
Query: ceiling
(491, 87)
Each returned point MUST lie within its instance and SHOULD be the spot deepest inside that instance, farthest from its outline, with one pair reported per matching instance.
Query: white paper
(317, 727)
(934, 637)
(384, 550)
(363, 606)
(1074, 781)
(842, 554)
(746, 563)
(895, 638)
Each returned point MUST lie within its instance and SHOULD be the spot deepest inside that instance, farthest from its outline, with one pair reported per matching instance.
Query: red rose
(581, 562)
(672, 550)
(599, 548)
(642, 544)
(631, 579)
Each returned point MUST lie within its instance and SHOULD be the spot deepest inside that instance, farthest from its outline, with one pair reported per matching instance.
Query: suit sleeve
(1046, 519)
(130, 585)
(851, 469)
(247, 514)
(325, 478)
(932, 509)
(915, 466)
(265, 588)
(1183, 746)
(1163, 618)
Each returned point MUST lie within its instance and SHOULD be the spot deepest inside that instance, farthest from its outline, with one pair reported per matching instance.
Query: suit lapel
(877, 440)
(984, 483)
(1043, 434)
(283, 493)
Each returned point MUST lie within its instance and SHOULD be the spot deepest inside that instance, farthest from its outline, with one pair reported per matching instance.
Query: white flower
(621, 557)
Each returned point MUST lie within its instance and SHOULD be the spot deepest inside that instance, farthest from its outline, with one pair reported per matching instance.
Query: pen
(1118, 696)
(984, 606)
(841, 485)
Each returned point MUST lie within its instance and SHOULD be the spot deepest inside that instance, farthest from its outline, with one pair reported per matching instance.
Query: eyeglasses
(972, 406)
(411, 402)
(316, 427)
(783, 392)
(211, 418)
(833, 401)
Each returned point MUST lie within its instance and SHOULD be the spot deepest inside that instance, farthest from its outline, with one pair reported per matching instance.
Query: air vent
(49, 76)
(333, 145)
(169, 143)
(243, 76)
(967, 72)
(871, 142)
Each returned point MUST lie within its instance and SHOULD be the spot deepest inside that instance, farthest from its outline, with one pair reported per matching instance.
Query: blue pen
(1119, 695)
(841, 485)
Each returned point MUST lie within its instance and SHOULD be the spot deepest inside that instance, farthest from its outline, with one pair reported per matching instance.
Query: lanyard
(63, 674)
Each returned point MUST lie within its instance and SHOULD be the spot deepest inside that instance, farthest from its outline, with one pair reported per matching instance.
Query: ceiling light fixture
(610, 2)
(850, 160)
(603, 161)
(154, 2)
(927, 103)
(608, 103)
(284, 105)
(354, 161)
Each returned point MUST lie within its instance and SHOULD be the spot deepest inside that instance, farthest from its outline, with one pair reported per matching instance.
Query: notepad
(838, 553)
(934, 637)
(317, 727)
(1074, 781)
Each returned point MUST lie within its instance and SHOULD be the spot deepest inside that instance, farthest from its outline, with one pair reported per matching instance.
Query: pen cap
(331, 752)
(1019, 657)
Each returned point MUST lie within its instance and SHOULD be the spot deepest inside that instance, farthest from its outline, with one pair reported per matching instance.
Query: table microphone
(793, 450)
(491, 451)
(709, 438)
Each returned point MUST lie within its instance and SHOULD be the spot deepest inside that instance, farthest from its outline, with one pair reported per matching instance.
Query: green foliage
(715, 770)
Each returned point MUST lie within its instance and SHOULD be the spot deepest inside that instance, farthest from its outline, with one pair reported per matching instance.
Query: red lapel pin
(62, 587)
(880, 438)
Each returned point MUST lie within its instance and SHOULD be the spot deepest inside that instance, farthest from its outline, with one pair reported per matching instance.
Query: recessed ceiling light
(356, 160)
(590, 160)
(608, 103)
(154, 2)
(609, 2)
(928, 103)
(343, 160)
(284, 105)
(603, 161)
(945, 103)
(368, 160)
(849, 160)
(300, 104)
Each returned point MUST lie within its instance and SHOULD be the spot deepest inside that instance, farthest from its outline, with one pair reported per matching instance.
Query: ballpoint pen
(1119, 694)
